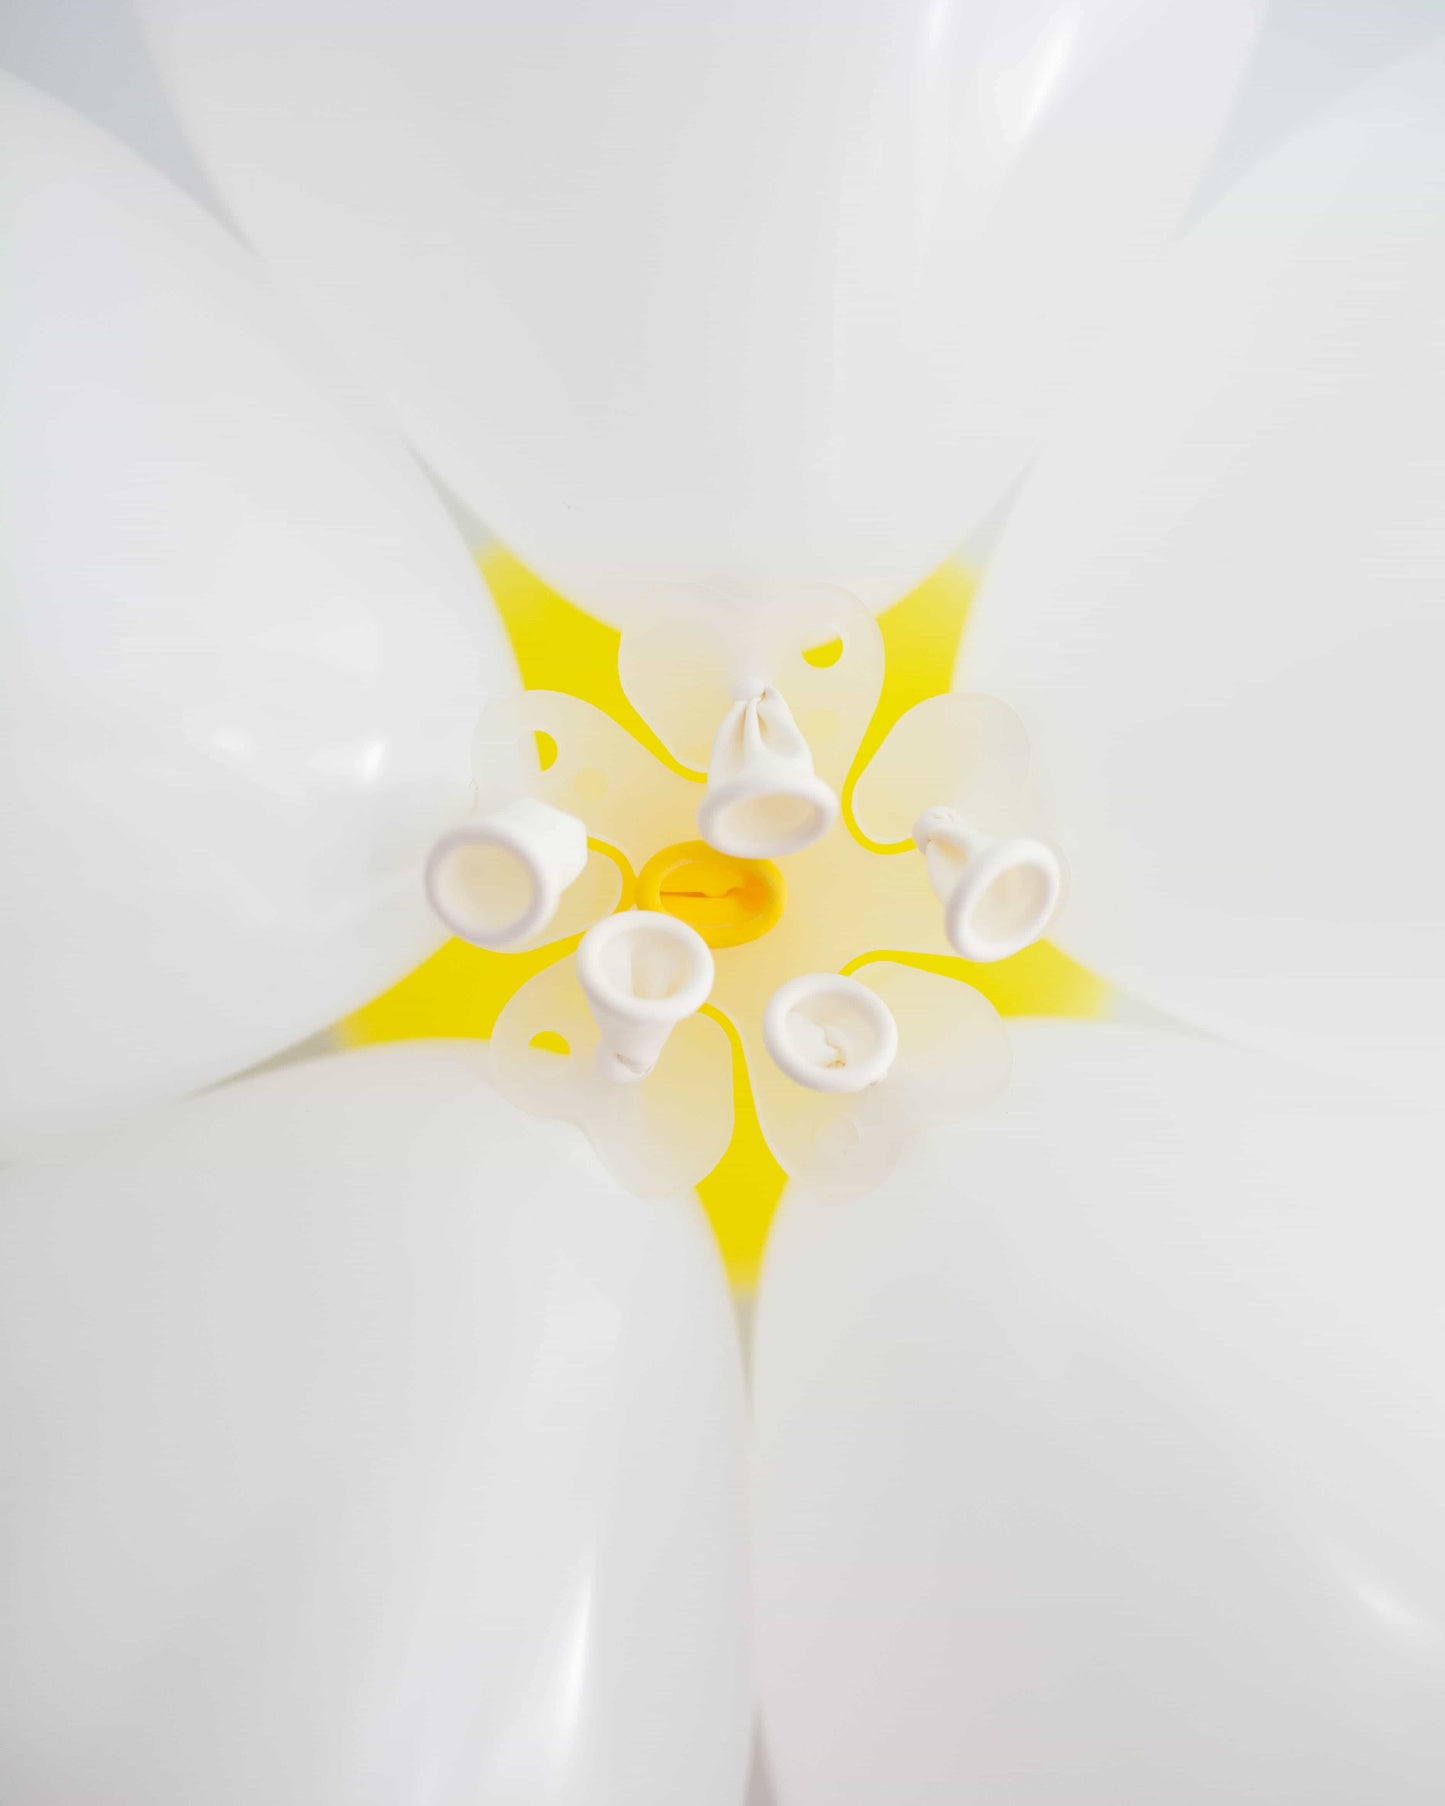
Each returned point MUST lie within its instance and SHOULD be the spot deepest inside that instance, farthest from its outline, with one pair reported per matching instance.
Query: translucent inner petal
(968, 752)
(658, 1136)
(682, 670)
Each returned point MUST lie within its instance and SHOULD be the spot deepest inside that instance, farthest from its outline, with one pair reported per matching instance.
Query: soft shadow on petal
(793, 292)
(361, 1440)
(1218, 607)
(658, 1136)
(242, 651)
(1099, 1452)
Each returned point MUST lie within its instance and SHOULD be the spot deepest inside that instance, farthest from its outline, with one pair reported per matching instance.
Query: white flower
(362, 1440)
(908, 1045)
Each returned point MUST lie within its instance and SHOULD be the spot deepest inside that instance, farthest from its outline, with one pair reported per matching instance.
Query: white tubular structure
(641, 973)
(496, 881)
(998, 895)
(830, 1033)
(763, 799)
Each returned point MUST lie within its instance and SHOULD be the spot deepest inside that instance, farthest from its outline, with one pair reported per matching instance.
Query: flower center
(728, 901)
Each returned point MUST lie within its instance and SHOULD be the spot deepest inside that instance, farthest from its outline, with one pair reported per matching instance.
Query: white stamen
(764, 800)
(998, 896)
(497, 881)
(830, 1033)
(641, 973)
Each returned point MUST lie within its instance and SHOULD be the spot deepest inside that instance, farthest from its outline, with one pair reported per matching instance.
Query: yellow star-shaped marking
(461, 990)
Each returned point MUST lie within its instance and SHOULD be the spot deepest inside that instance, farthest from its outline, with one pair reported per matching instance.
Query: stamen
(764, 799)
(998, 896)
(642, 973)
(497, 881)
(830, 1033)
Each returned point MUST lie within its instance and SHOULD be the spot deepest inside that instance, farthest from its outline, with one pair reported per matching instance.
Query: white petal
(1221, 607)
(705, 293)
(1310, 53)
(362, 1442)
(1101, 1454)
(242, 652)
(92, 55)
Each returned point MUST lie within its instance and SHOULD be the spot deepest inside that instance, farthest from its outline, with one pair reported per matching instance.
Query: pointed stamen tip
(998, 896)
(764, 800)
(934, 821)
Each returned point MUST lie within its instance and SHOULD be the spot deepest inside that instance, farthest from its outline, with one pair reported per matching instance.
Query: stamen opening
(497, 881)
(642, 972)
(830, 1033)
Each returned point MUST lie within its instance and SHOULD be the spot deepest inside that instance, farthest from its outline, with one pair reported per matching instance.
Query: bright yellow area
(741, 1192)
(560, 647)
(461, 990)
(728, 901)
(920, 643)
(820, 657)
(1040, 981)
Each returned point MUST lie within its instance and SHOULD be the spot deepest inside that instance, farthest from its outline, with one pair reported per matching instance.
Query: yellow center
(461, 989)
(728, 901)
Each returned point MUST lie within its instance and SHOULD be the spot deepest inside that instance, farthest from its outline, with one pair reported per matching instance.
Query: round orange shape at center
(728, 901)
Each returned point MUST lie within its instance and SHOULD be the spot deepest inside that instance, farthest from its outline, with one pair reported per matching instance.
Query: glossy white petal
(242, 652)
(1101, 1454)
(362, 1442)
(703, 293)
(1221, 607)
(92, 55)
(1308, 54)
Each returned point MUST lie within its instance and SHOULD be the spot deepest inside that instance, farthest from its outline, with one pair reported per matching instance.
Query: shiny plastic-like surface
(841, 902)
(700, 293)
(362, 1442)
(1219, 607)
(689, 655)
(1101, 1453)
(242, 652)
(957, 776)
(952, 1060)
(658, 1135)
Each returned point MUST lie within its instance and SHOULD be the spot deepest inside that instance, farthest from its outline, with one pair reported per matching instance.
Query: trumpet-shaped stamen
(497, 881)
(764, 799)
(830, 1033)
(998, 895)
(642, 973)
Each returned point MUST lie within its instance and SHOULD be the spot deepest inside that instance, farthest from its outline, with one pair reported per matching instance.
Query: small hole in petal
(546, 749)
(821, 656)
(547, 1040)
